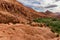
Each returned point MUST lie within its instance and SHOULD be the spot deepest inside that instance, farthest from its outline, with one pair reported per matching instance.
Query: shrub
(53, 23)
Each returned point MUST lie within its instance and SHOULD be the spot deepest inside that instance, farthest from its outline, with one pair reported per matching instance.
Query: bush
(53, 23)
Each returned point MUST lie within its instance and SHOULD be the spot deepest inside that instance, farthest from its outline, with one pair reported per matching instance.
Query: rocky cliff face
(18, 12)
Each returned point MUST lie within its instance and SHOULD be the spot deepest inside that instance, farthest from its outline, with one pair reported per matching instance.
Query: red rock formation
(24, 32)
(21, 13)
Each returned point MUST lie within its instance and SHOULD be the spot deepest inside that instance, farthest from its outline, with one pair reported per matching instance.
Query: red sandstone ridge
(13, 11)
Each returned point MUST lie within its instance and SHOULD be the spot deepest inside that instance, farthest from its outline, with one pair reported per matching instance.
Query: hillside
(17, 11)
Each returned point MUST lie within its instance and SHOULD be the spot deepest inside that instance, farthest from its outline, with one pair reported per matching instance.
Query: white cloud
(39, 5)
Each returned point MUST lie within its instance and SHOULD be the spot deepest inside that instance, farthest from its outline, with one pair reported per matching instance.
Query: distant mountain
(51, 14)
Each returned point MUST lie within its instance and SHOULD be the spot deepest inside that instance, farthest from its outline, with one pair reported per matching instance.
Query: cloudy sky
(42, 5)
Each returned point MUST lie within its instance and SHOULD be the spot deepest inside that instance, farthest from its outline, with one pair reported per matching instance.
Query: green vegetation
(53, 23)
